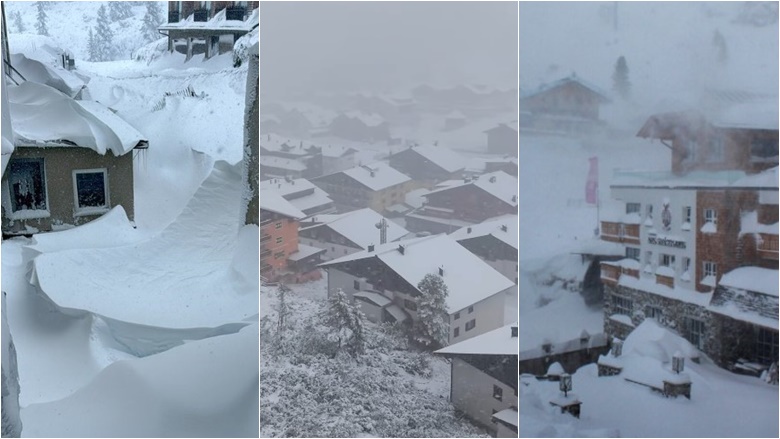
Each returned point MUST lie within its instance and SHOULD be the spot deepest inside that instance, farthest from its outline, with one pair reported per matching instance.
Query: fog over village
(648, 219)
(388, 219)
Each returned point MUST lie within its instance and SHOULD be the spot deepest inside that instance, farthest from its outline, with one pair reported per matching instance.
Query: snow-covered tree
(40, 24)
(91, 49)
(104, 37)
(282, 309)
(345, 322)
(620, 81)
(18, 23)
(720, 47)
(152, 19)
(432, 327)
(119, 10)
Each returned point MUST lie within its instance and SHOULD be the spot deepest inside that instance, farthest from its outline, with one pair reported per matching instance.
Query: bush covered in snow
(241, 48)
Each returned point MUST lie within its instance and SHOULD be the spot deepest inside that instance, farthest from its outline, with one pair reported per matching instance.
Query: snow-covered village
(388, 220)
(648, 269)
(129, 217)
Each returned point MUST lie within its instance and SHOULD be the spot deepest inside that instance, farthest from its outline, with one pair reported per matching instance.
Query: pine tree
(346, 322)
(432, 327)
(282, 309)
(119, 10)
(91, 49)
(40, 24)
(720, 47)
(104, 37)
(20, 28)
(152, 19)
(620, 82)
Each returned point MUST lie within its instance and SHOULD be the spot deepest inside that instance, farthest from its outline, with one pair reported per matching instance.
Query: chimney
(504, 228)
(468, 230)
(370, 248)
(441, 271)
(514, 198)
(401, 248)
(514, 331)
(493, 179)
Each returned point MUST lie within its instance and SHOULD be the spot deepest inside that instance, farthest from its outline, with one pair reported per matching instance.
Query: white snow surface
(498, 184)
(185, 271)
(491, 227)
(376, 176)
(289, 190)
(467, 277)
(442, 157)
(359, 226)
(760, 280)
(273, 201)
(496, 342)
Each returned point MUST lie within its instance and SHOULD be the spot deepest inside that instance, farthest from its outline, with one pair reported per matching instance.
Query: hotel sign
(666, 242)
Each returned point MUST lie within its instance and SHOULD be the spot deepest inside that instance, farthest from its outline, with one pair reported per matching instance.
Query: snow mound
(650, 339)
(206, 388)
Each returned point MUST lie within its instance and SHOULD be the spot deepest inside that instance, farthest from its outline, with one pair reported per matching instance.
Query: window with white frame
(711, 216)
(27, 184)
(632, 252)
(90, 187)
(622, 305)
(633, 207)
(710, 269)
(654, 312)
(686, 214)
(666, 260)
(686, 267)
(694, 330)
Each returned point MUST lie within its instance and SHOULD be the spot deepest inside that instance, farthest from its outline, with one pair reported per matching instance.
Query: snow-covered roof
(283, 163)
(274, 202)
(304, 251)
(757, 279)
(600, 93)
(758, 114)
(44, 116)
(416, 197)
(368, 119)
(359, 226)
(499, 184)
(217, 22)
(504, 229)
(290, 189)
(468, 278)
(696, 179)
(442, 157)
(36, 71)
(749, 224)
(376, 176)
(496, 342)
(508, 416)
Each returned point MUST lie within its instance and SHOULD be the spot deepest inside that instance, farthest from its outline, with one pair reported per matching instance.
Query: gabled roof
(272, 201)
(44, 116)
(512, 126)
(290, 189)
(376, 176)
(468, 278)
(504, 229)
(597, 91)
(498, 184)
(445, 158)
(359, 226)
(496, 342)
(368, 119)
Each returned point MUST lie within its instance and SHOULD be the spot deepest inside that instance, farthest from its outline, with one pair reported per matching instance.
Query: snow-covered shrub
(241, 47)
(151, 51)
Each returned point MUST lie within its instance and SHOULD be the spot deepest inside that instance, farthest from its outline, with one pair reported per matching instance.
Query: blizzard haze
(337, 46)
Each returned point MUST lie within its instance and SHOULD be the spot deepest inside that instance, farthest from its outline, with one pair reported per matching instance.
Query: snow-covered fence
(188, 92)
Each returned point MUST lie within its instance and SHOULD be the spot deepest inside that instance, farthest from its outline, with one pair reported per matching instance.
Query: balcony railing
(620, 232)
(610, 273)
(768, 246)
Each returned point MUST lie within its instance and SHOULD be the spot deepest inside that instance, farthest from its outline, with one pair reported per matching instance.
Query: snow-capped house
(428, 164)
(568, 105)
(360, 127)
(455, 204)
(285, 157)
(343, 234)
(502, 139)
(301, 193)
(683, 229)
(376, 185)
(218, 24)
(281, 256)
(483, 382)
(495, 242)
(478, 295)
(72, 161)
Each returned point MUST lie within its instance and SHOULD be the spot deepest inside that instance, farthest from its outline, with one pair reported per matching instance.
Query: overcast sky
(386, 45)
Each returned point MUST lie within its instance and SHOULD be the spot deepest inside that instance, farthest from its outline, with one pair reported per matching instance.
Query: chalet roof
(359, 226)
(468, 278)
(43, 116)
(376, 176)
(505, 229)
(291, 188)
(445, 158)
(496, 342)
(498, 184)
(273, 201)
(592, 88)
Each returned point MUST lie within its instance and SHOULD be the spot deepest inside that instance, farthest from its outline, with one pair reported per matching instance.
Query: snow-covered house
(503, 139)
(336, 158)
(376, 185)
(361, 127)
(568, 105)
(217, 25)
(461, 203)
(347, 233)
(428, 164)
(683, 229)
(495, 242)
(286, 157)
(301, 193)
(72, 161)
(483, 382)
(478, 295)
(281, 256)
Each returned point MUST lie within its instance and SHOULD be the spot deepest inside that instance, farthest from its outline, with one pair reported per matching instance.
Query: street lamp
(678, 362)
(565, 384)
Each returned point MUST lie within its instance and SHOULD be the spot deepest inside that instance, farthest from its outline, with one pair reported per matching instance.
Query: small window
(27, 184)
(667, 260)
(411, 305)
(686, 214)
(278, 225)
(710, 269)
(498, 392)
(633, 207)
(91, 190)
(471, 309)
(471, 324)
(711, 216)
(356, 285)
(457, 316)
(622, 305)
(456, 332)
(279, 239)
(654, 312)
(632, 252)
(278, 255)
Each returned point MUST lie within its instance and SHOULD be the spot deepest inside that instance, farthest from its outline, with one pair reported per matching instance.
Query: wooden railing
(768, 246)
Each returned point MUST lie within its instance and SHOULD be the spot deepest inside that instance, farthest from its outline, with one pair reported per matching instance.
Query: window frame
(633, 250)
(17, 214)
(711, 216)
(80, 211)
(498, 392)
(709, 268)
(471, 324)
(634, 208)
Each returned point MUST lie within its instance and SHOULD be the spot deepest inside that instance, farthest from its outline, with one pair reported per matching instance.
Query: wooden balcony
(664, 280)
(768, 247)
(620, 232)
(610, 273)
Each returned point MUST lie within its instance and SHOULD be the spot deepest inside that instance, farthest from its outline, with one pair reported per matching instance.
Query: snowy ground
(174, 352)
(390, 391)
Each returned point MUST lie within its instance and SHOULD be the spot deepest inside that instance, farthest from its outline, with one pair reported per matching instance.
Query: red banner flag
(592, 184)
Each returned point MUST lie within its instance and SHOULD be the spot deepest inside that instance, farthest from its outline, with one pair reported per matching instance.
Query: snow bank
(761, 280)
(206, 388)
(650, 339)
